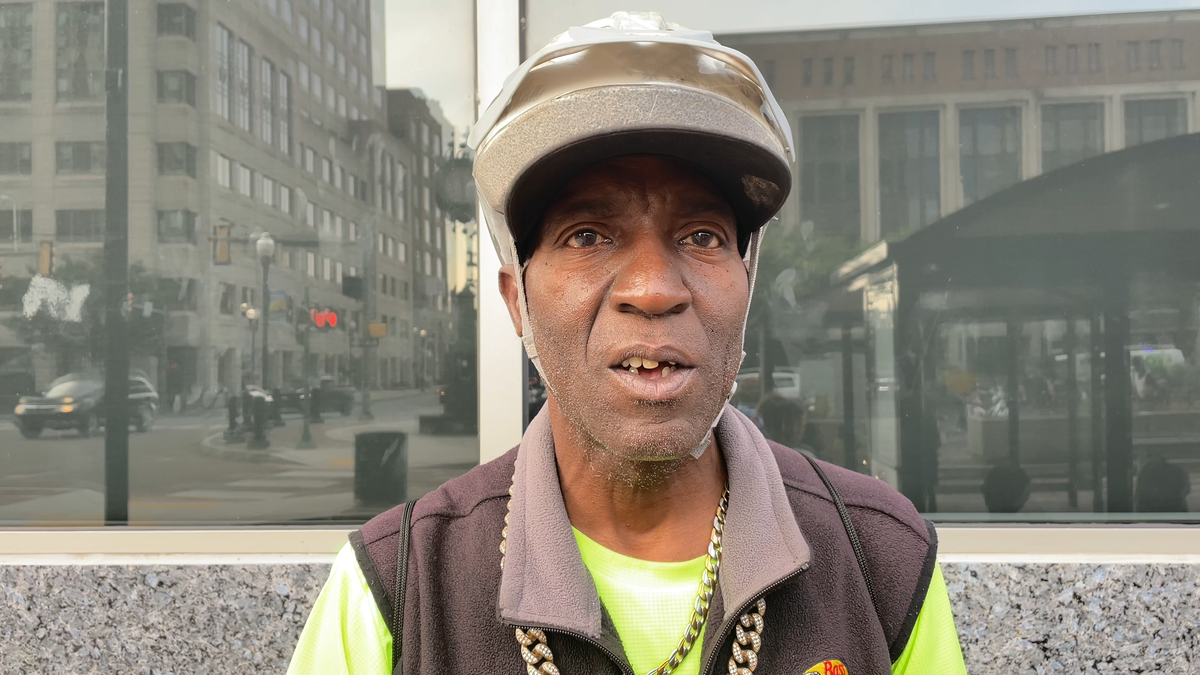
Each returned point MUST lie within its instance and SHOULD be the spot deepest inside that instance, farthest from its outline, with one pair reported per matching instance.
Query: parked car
(78, 403)
(332, 398)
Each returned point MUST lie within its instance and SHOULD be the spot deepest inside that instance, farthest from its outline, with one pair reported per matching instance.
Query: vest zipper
(621, 663)
(727, 628)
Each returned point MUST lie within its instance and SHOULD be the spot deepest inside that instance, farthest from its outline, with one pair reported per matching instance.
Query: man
(643, 525)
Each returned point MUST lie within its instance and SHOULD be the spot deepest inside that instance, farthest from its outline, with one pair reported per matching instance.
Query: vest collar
(545, 583)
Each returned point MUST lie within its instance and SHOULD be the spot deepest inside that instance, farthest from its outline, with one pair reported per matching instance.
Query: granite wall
(171, 620)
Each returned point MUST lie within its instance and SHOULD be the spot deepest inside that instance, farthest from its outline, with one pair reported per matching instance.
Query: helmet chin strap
(751, 262)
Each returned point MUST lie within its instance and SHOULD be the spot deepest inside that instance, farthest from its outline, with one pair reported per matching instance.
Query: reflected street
(182, 471)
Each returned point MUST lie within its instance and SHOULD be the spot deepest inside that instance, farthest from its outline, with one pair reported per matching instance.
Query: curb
(239, 452)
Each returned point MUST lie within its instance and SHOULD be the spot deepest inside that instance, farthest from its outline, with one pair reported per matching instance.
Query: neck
(659, 511)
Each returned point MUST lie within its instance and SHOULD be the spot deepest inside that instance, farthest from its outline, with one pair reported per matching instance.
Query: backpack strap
(397, 623)
(850, 531)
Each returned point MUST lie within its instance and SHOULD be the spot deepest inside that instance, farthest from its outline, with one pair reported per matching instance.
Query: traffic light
(324, 318)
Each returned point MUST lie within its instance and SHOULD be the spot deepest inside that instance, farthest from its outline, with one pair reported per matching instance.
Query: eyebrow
(581, 209)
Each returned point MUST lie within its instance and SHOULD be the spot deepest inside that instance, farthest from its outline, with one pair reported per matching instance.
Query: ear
(508, 289)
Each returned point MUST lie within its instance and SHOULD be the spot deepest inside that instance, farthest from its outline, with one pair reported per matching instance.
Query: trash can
(380, 467)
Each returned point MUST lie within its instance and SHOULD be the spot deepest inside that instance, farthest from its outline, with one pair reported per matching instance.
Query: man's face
(637, 260)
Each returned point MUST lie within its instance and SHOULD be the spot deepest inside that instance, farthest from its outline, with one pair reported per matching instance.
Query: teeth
(648, 364)
(666, 371)
(672, 363)
(625, 363)
(633, 370)
(635, 362)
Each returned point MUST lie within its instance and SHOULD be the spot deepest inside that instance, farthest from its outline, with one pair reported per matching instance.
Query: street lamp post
(368, 315)
(265, 247)
(251, 315)
(306, 438)
(16, 226)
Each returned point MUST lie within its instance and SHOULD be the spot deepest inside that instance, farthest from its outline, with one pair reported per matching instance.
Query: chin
(668, 441)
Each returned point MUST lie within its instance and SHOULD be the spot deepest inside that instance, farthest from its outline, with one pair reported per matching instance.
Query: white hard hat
(630, 84)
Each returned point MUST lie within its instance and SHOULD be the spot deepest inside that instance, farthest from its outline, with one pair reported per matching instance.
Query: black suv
(79, 404)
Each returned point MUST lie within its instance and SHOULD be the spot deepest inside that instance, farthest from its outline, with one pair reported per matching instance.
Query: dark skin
(637, 259)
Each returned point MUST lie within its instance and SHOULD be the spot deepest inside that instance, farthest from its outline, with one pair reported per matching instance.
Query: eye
(703, 239)
(583, 239)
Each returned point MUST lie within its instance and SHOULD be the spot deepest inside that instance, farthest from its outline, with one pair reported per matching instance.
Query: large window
(266, 84)
(1071, 132)
(176, 159)
(989, 150)
(73, 225)
(16, 52)
(79, 51)
(829, 188)
(244, 56)
(909, 173)
(16, 159)
(176, 86)
(24, 232)
(177, 226)
(79, 157)
(177, 19)
(1154, 119)
(222, 74)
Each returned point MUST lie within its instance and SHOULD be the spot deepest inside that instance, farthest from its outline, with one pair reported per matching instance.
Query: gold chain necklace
(539, 659)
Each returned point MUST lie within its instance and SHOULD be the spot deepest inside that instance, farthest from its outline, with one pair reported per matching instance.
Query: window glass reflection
(270, 378)
(983, 289)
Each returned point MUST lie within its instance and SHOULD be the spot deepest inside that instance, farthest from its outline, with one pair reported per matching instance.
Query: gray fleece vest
(784, 541)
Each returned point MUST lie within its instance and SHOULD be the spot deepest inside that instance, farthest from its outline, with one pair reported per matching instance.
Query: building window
(326, 170)
(885, 68)
(909, 172)
(285, 199)
(341, 64)
(989, 150)
(310, 215)
(1051, 60)
(1093, 57)
(176, 159)
(242, 92)
(285, 12)
(428, 263)
(311, 264)
(1071, 132)
(829, 174)
(327, 221)
(314, 39)
(1154, 54)
(309, 159)
(224, 173)
(268, 191)
(79, 51)
(1176, 55)
(930, 63)
(968, 64)
(245, 180)
(402, 251)
(1154, 119)
(304, 74)
(266, 86)
(318, 87)
(79, 157)
(847, 77)
(16, 159)
(827, 71)
(177, 19)
(1010, 62)
(25, 221)
(1133, 56)
(223, 76)
(228, 298)
(16, 46)
(176, 86)
(79, 225)
(1072, 59)
(178, 226)
(330, 97)
(906, 68)
(285, 113)
(989, 63)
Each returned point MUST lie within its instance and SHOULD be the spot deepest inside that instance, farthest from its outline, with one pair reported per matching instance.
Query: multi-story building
(245, 118)
(896, 127)
(411, 119)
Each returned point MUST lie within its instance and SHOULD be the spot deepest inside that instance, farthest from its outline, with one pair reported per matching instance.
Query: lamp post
(265, 246)
(15, 225)
(251, 315)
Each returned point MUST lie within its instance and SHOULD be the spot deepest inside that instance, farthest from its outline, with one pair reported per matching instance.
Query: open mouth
(649, 369)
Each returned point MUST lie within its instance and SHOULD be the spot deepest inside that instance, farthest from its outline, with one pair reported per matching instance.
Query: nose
(649, 280)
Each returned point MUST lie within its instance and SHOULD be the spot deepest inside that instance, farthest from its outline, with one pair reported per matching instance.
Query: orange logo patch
(828, 668)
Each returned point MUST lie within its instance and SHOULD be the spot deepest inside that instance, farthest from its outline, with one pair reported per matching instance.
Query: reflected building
(983, 271)
(245, 118)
